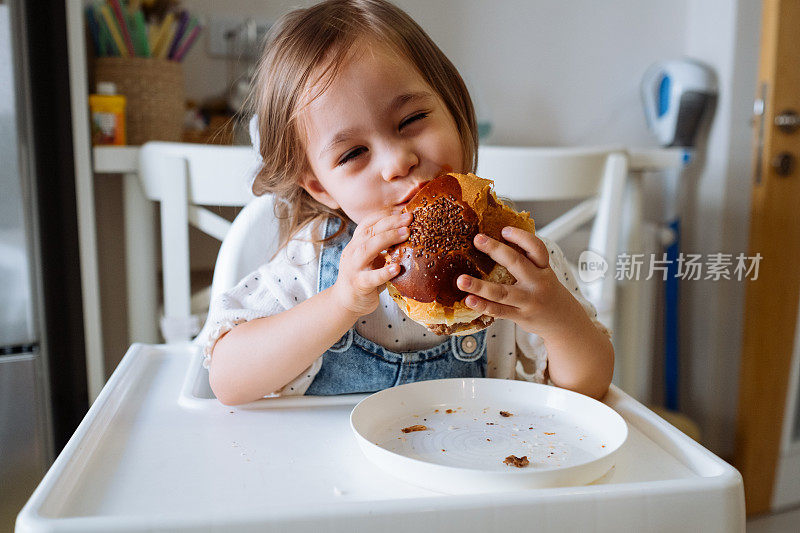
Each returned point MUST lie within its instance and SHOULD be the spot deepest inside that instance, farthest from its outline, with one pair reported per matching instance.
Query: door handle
(788, 121)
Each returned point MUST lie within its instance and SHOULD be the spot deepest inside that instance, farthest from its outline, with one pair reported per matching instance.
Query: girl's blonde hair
(307, 46)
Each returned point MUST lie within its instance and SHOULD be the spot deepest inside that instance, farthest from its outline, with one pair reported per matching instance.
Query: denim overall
(355, 364)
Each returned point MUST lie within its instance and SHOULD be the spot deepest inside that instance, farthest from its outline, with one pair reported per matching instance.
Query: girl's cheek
(448, 143)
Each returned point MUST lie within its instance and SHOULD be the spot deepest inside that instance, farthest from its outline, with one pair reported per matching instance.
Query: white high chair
(594, 175)
(252, 241)
(184, 178)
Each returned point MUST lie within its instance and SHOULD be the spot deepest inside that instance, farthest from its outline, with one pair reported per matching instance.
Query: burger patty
(443, 329)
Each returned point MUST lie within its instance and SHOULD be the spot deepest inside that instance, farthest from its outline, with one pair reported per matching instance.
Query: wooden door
(771, 301)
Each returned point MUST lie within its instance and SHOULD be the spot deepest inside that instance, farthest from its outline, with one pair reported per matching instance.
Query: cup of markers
(140, 51)
(118, 30)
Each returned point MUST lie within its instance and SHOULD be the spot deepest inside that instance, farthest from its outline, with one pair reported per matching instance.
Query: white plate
(568, 438)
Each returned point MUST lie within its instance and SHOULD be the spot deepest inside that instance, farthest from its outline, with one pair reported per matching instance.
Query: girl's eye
(413, 118)
(352, 154)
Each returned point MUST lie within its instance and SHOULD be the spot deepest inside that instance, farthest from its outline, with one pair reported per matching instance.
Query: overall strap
(329, 268)
(332, 252)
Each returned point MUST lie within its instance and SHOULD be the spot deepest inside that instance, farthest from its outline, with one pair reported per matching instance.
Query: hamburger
(447, 214)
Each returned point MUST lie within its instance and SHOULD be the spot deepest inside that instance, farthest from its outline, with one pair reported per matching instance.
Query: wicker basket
(154, 91)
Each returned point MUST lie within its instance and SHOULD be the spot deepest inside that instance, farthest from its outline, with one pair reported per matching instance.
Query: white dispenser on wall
(677, 96)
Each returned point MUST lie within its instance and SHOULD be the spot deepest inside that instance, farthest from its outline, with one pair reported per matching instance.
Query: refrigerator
(42, 368)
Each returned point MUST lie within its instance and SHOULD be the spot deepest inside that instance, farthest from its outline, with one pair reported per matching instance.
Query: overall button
(469, 344)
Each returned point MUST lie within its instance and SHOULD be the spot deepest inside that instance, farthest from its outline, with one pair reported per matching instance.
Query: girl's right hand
(358, 285)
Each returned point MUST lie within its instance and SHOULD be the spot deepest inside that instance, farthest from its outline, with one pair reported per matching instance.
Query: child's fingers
(533, 245)
(516, 263)
(494, 309)
(509, 295)
(376, 217)
(388, 222)
(369, 279)
(369, 248)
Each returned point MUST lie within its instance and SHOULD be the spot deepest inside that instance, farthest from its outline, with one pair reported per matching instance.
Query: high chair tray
(148, 458)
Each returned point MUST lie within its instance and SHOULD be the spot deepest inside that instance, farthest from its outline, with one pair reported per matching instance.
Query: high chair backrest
(595, 175)
(252, 241)
(183, 178)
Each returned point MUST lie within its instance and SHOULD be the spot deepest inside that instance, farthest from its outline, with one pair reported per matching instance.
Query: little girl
(357, 108)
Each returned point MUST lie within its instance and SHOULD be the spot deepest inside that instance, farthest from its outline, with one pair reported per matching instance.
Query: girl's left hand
(538, 302)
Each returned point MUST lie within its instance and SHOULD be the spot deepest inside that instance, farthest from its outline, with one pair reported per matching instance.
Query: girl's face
(376, 135)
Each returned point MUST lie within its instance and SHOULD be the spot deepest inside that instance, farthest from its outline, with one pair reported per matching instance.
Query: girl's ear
(317, 191)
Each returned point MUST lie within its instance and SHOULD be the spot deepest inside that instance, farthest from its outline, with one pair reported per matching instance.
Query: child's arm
(261, 356)
(580, 356)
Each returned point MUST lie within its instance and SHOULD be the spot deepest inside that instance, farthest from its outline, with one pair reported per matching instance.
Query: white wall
(725, 34)
(568, 73)
(547, 73)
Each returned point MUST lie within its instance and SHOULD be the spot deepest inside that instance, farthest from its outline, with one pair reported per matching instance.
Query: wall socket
(236, 37)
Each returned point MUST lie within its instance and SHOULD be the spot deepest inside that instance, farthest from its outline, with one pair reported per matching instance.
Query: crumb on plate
(415, 427)
(519, 462)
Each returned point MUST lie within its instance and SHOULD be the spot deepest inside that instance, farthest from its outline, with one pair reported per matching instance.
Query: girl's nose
(399, 162)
